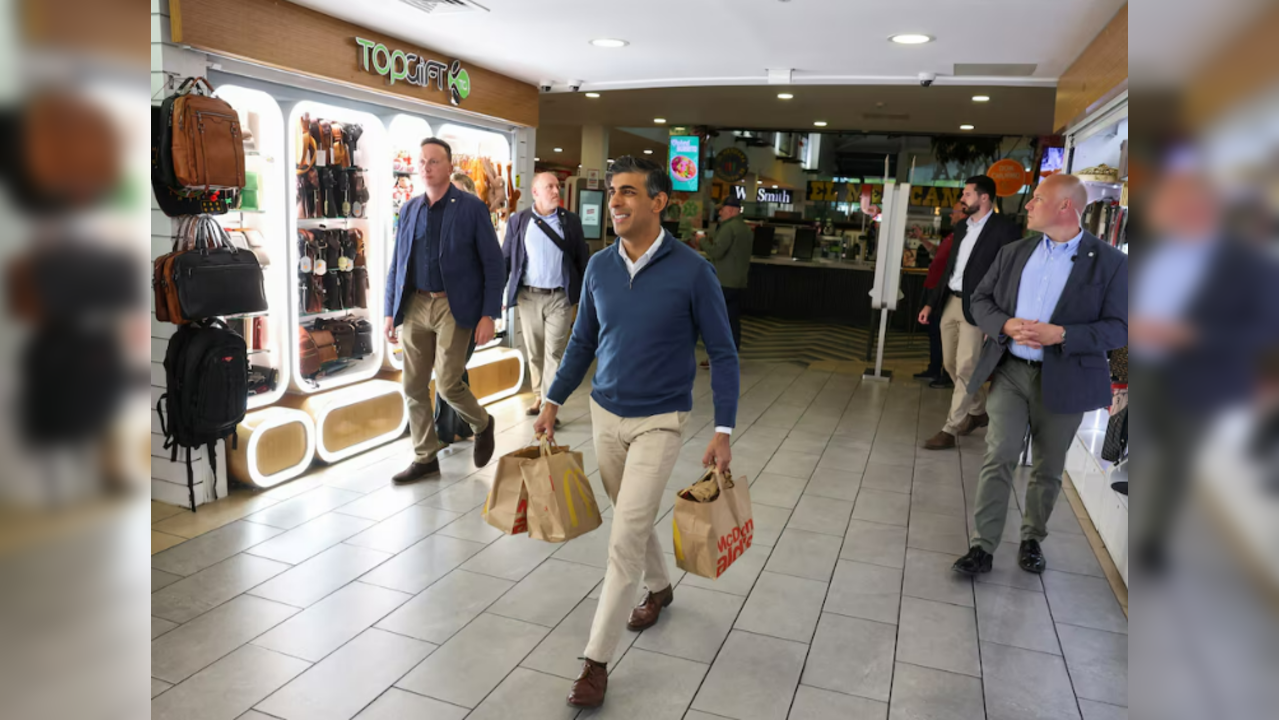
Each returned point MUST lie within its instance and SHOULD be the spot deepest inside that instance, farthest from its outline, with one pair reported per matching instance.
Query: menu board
(685, 159)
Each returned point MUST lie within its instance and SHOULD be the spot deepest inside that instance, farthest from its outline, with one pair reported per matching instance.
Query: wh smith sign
(781, 197)
(399, 66)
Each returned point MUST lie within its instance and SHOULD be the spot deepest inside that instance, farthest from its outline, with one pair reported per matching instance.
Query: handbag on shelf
(206, 276)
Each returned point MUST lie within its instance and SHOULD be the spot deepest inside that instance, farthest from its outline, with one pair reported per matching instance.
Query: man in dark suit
(1052, 307)
(977, 241)
(445, 289)
(546, 255)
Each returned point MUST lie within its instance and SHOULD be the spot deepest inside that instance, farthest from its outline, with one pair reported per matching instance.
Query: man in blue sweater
(644, 304)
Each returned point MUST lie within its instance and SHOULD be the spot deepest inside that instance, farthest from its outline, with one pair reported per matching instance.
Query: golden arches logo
(574, 480)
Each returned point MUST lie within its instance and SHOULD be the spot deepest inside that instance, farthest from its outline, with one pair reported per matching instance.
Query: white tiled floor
(344, 597)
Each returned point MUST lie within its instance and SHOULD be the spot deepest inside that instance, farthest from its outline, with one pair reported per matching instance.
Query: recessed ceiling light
(559, 149)
(611, 160)
(593, 96)
(911, 39)
(967, 127)
(774, 187)
(759, 182)
(981, 98)
(785, 96)
(537, 159)
(821, 123)
(660, 121)
(609, 43)
(648, 152)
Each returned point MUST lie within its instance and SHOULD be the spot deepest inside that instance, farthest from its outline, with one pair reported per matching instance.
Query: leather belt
(433, 296)
(1024, 361)
(543, 291)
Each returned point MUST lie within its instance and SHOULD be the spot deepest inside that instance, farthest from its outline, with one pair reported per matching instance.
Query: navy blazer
(1000, 231)
(1093, 309)
(470, 259)
(516, 254)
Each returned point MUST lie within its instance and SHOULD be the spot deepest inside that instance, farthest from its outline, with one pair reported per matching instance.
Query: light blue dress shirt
(1042, 283)
(1167, 282)
(544, 267)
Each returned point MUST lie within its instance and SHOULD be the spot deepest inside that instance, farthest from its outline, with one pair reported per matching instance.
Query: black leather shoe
(1031, 557)
(927, 375)
(976, 562)
(417, 471)
(484, 443)
(942, 383)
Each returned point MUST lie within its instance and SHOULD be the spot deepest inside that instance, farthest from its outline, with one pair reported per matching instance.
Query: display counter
(830, 291)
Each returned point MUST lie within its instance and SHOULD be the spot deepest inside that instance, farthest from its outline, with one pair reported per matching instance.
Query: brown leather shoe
(941, 441)
(647, 613)
(589, 688)
(485, 443)
(534, 411)
(417, 471)
(971, 423)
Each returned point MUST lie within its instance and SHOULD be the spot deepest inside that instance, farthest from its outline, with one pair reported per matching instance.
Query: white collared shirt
(966, 251)
(645, 259)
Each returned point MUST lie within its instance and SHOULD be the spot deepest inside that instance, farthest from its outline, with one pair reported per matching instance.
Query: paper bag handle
(547, 448)
(725, 480)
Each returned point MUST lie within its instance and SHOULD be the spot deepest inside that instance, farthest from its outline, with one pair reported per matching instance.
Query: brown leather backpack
(208, 146)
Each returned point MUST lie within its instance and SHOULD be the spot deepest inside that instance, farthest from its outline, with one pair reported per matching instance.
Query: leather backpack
(204, 142)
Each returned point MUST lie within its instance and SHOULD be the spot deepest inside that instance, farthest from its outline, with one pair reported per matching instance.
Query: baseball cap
(732, 201)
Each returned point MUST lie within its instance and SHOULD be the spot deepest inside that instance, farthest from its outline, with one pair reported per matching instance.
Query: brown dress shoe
(485, 443)
(971, 423)
(535, 410)
(417, 471)
(646, 614)
(941, 441)
(589, 688)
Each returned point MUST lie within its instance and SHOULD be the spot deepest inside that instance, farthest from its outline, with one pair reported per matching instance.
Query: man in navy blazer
(1051, 308)
(445, 285)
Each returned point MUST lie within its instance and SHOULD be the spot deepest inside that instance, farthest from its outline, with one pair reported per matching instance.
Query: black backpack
(207, 371)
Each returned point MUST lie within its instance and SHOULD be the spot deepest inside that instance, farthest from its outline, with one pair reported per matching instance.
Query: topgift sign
(397, 66)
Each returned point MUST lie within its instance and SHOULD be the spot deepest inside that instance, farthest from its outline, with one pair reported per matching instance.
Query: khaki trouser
(433, 342)
(1017, 402)
(547, 321)
(636, 457)
(961, 348)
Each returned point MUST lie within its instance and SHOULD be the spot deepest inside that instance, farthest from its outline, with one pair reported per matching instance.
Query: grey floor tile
(932, 469)
(870, 592)
(1101, 711)
(804, 443)
(1018, 618)
(852, 656)
(647, 685)
(754, 678)
(939, 636)
(467, 668)
(396, 704)
(332, 622)
(382, 504)
(842, 456)
(740, 577)
(527, 695)
(592, 548)
(229, 687)
(1006, 571)
(783, 606)
(205, 590)
(472, 527)
(781, 416)
(194, 646)
(834, 484)
(926, 694)
(888, 478)
(212, 548)
(462, 497)
(158, 686)
(897, 454)
(1098, 663)
(160, 627)
(694, 626)
(561, 652)
(404, 529)
(821, 515)
(307, 506)
(1084, 601)
(938, 533)
(415, 569)
(315, 579)
(770, 521)
(673, 573)
(161, 579)
(778, 490)
(1063, 519)
(341, 685)
(511, 558)
(790, 464)
(446, 607)
(938, 500)
(875, 544)
(308, 540)
(1026, 685)
(805, 554)
(1069, 553)
(882, 506)
(816, 704)
(549, 593)
(929, 576)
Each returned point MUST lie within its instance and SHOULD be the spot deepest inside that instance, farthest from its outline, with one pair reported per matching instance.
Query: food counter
(830, 291)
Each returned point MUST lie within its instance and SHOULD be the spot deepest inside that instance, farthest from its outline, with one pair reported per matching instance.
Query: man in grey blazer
(1051, 308)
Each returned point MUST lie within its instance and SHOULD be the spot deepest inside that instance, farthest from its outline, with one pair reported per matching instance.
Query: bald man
(1051, 308)
(546, 256)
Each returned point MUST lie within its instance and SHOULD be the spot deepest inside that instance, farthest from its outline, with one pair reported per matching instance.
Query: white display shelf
(1091, 476)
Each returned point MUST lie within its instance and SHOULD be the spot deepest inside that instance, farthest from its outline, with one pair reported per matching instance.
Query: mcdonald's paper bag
(561, 504)
(713, 524)
(507, 505)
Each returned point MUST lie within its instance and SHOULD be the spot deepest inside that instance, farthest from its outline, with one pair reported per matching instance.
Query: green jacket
(730, 252)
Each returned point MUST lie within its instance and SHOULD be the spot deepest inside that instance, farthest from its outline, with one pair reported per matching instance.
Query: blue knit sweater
(644, 332)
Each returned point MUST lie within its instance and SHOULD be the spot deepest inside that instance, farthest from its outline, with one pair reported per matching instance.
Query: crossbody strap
(545, 227)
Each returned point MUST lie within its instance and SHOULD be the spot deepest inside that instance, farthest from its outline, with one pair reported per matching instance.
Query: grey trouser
(1017, 401)
(434, 342)
(547, 321)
